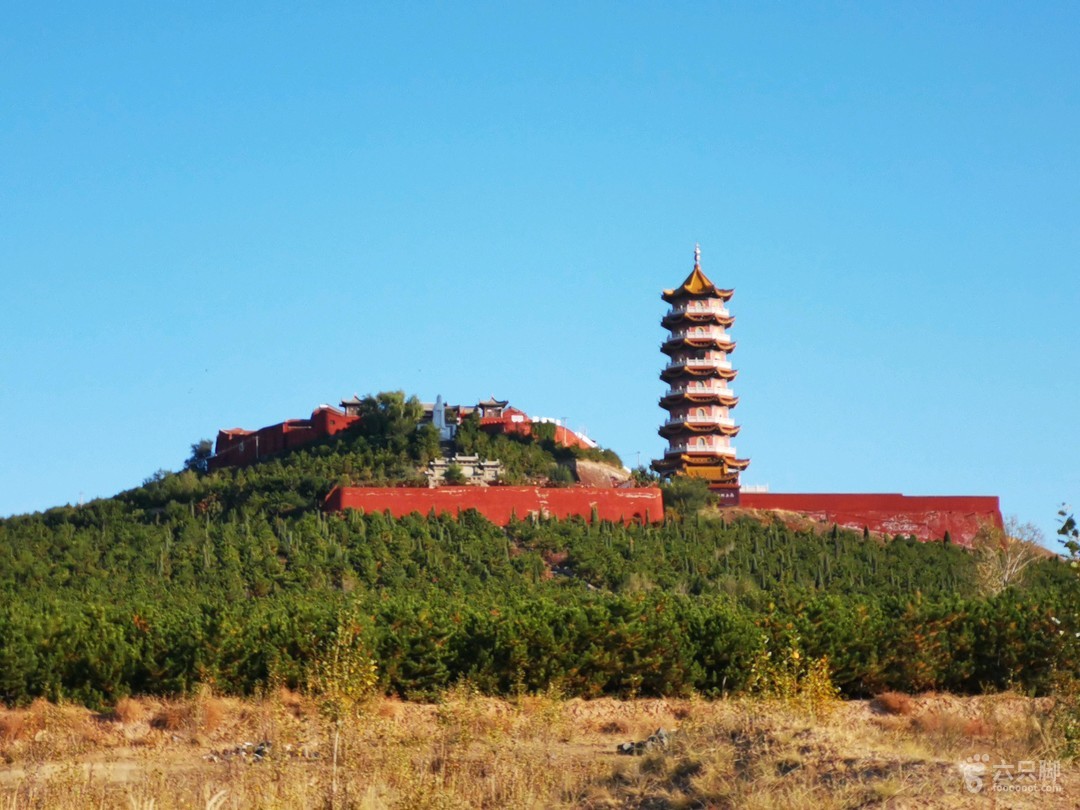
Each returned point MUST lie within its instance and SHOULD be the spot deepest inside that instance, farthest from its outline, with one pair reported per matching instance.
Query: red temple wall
(926, 517)
(498, 504)
(523, 426)
(567, 438)
(328, 421)
(237, 448)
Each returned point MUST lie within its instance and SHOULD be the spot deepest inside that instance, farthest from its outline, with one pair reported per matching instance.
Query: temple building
(699, 399)
(238, 447)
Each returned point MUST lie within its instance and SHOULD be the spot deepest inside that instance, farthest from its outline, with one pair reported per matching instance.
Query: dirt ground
(897, 751)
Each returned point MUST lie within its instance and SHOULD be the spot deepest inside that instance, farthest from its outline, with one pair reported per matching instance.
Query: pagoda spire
(699, 400)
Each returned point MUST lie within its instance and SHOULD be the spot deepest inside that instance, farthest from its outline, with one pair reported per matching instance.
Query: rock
(659, 740)
(248, 751)
(599, 474)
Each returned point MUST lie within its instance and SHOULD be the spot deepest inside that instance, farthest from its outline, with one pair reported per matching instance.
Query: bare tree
(1003, 554)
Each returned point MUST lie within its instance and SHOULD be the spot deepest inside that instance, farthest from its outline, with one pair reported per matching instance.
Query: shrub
(893, 703)
(685, 495)
(454, 475)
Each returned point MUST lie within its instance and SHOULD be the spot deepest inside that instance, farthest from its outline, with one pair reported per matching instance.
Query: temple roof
(697, 283)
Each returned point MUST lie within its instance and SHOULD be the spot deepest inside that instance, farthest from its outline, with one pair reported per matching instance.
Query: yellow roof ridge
(697, 282)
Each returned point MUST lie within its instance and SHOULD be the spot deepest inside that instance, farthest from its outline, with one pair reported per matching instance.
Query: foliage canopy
(235, 579)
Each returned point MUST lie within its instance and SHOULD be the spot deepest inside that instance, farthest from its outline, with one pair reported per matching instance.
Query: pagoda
(699, 427)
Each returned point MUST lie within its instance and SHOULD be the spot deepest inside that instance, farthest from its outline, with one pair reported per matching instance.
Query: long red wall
(563, 437)
(498, 504)
(927, 517)
(238, 448)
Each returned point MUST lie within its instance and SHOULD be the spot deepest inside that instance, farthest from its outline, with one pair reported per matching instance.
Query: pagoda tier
(699, 427)
(700, 465)
(699, 396)
(699, 422)
(689, 366)
(682, 342)
(680, 318)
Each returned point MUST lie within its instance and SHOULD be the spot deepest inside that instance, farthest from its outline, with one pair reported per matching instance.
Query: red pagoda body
(699, 399)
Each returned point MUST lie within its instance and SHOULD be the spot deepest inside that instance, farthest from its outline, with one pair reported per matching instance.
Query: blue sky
(217, 217)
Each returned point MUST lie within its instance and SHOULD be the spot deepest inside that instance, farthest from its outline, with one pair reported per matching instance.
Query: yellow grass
(534, 752)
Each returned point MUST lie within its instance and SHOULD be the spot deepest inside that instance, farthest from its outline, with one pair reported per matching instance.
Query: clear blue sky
(217, 217)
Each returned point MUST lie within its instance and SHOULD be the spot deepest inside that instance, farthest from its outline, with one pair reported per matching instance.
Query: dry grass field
(536, 752)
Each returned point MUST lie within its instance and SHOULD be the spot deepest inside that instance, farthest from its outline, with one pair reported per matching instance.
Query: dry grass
(173, 717)
(533, 752)
(128, 711)
(893, 703)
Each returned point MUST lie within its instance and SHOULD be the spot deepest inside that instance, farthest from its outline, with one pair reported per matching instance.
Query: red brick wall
(328, 421)
(240, 448)
(927, 517)
(296, 433)
(497, 504)
(524, 427)
(233, 449)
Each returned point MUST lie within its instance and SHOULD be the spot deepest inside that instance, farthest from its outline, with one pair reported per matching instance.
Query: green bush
(235, 579)
(684, 495)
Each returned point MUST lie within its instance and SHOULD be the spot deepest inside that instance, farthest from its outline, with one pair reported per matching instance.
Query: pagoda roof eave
(693, 372)
(727, 401)
(681, 293)
(674, 399)
(708, 457)
(697, 284)
(698, 343)
(725, 374)
(680, 466)
(697, 318)
(670, 431)
(713, 475)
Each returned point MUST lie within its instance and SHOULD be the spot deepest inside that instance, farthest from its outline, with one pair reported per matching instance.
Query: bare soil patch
(897, 751)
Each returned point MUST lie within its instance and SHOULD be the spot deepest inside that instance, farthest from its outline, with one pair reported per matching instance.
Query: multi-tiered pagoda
(699, 399)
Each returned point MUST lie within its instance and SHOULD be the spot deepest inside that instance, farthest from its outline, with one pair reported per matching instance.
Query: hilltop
(235, 580)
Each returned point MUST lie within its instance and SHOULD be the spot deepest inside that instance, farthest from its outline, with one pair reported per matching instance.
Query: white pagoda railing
(700, 362)
(694, 419)
(718, 309)
(722, 450)
(706, 334)
(709, 389)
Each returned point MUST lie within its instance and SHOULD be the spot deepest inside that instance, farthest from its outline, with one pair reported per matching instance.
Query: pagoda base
(715, 471)
(723, 483)
(715, 474)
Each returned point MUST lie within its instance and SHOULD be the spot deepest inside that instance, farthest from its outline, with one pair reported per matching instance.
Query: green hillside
(235, 579)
